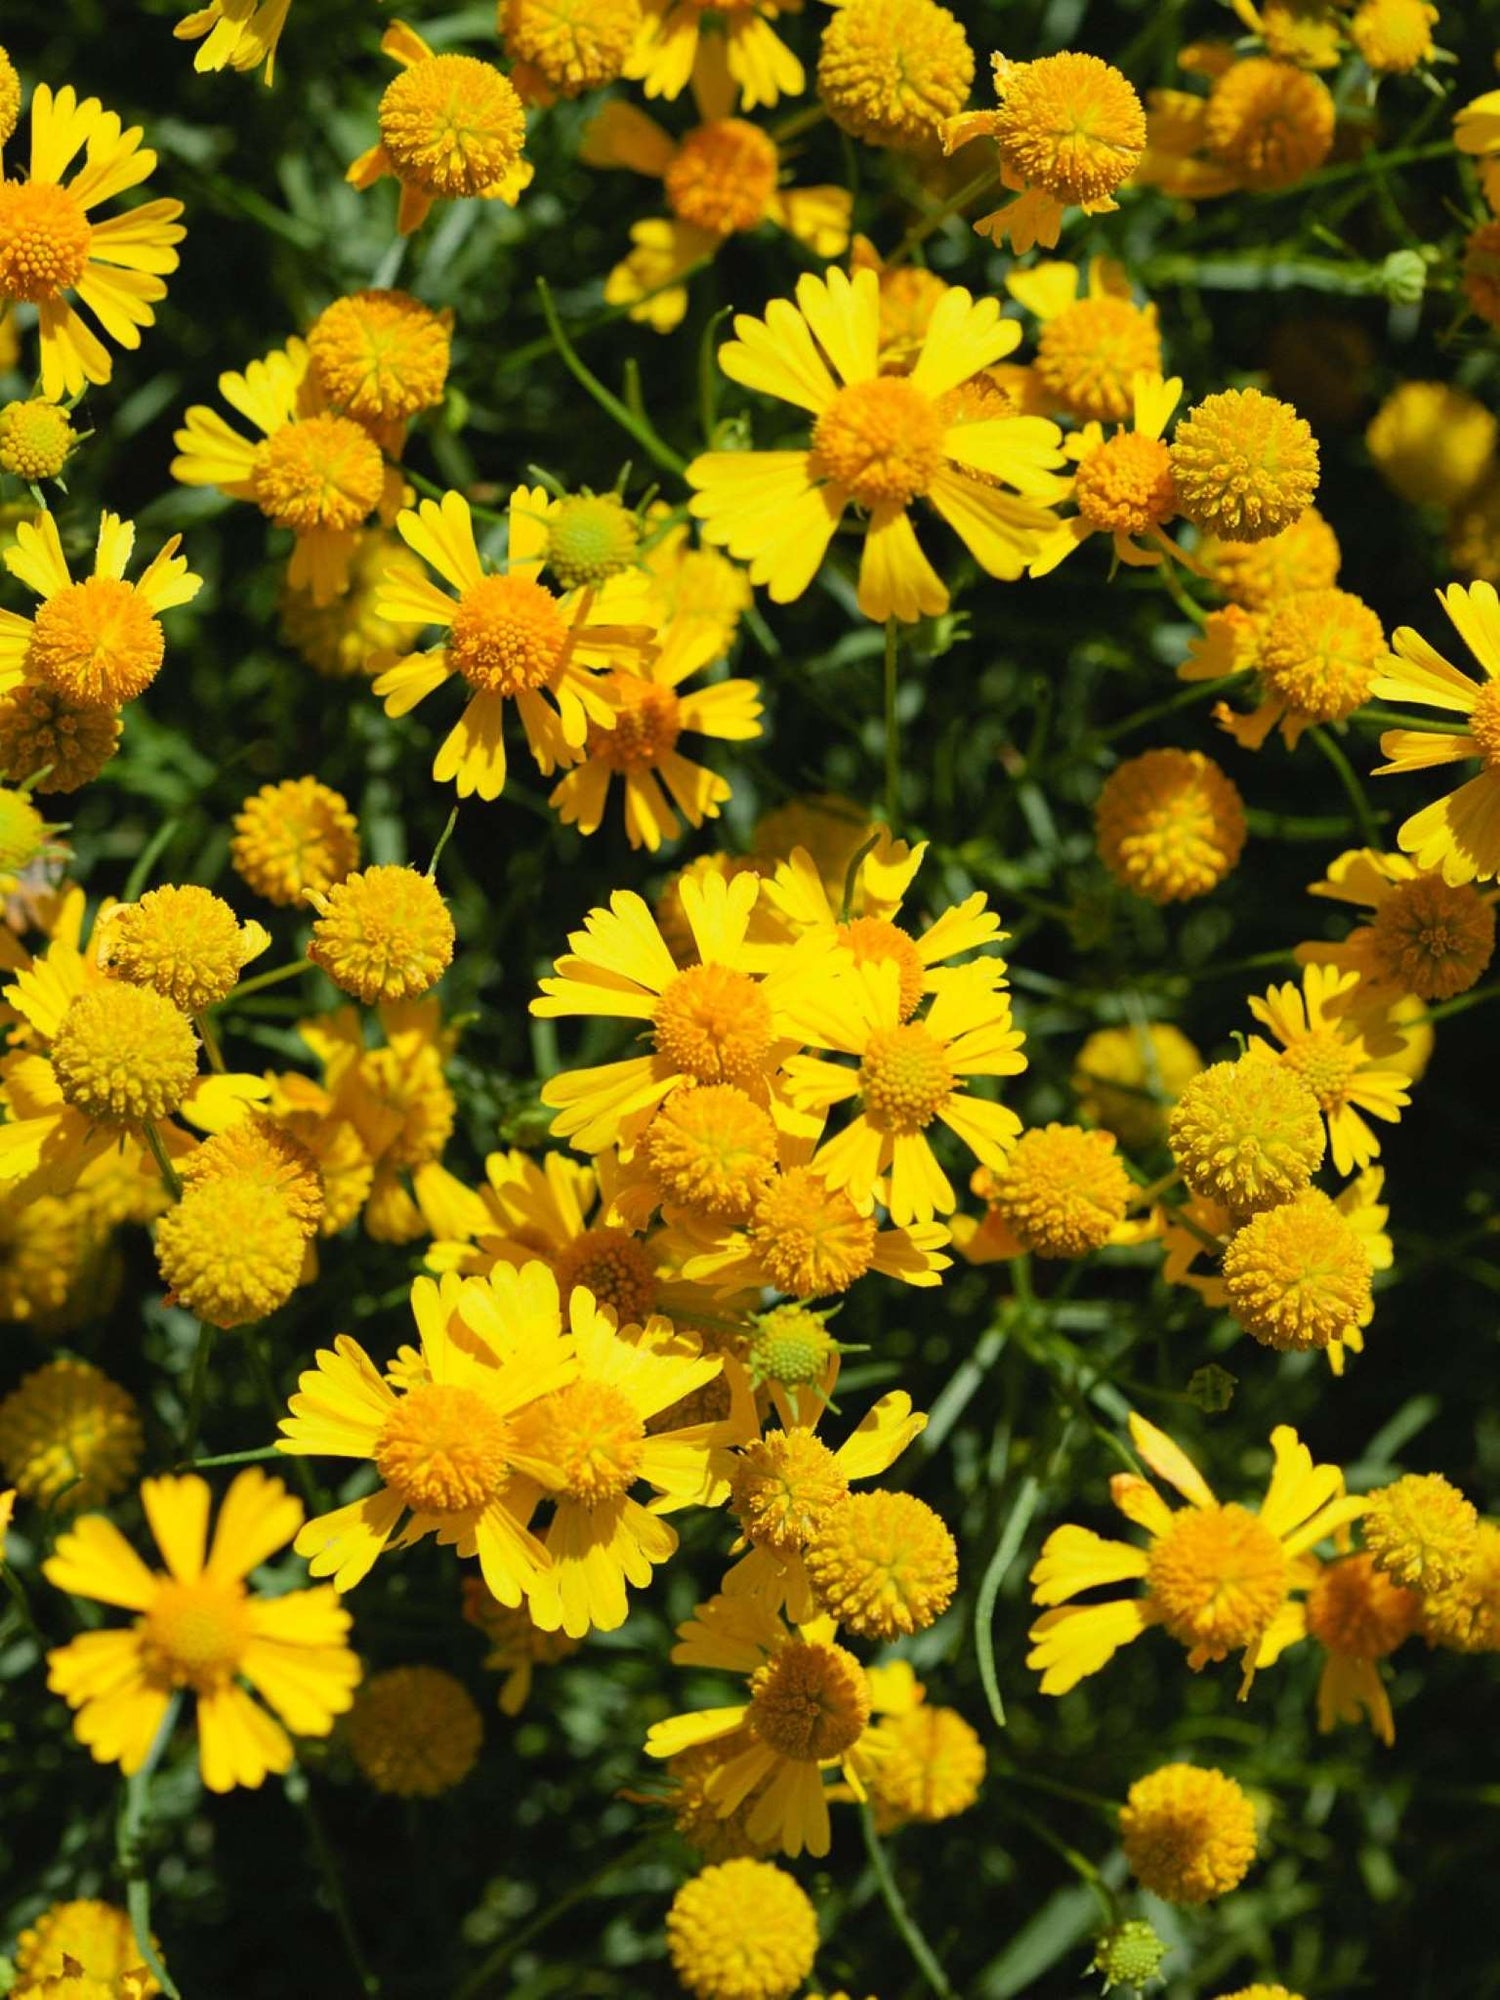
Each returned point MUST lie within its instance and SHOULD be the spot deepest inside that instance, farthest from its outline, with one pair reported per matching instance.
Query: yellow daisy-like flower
(1432, 442)
(443, 1441)
(725, 1019)
(346, 636)
(450, 126)
(1245, 465)
(562, 48)
(37, 439)
(414, 1732)
(1170, 825)
(1095, 340)
(199, 1629)
(925, 1763)
(1217, 1578)
(183, 942)
(640, 745)
(1124, 487)
(1326, 1049)
(1188, 1834)
(1476, 131)
(808, 1706)
(70, 1438)
(382, 933)
(740, 54)
(721, 180)
(1069, 131)
(49, 247)
(97, 643)
(912, 1073)
(313, 472)
(1062, 1193)
(1458, 836)
(517, 1646)
(236, 34)
(742, 1930)
(693, 583)
(1359, 1617)
(509, 638)
(1394, 36)
(1425, 936)
(294, 837)
(1305, 556)
(1128, 1079)
(878, 442)
(382, 358)
(98, 1937)
(892, 72)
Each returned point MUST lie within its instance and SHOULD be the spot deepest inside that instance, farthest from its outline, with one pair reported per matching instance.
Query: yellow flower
(292, 838)
(1476, 131)
(1247, 1134)
(517, 1646)
(1124, 486)
(255, 1149)
(1359, 1617)
(1093, 344)
(696, 584)
(1188, 1834)
(98, 1937)
(1128, 1079)
(1218, 1578)
(69, 1437)
(1305, 556)
(442, 1444)
(720, 179)
(40, 731)
(1422, 1531)
(1425, 936)
(1069, 131)
(1394, 36)
(911, 1075)
(1315, 652)
(882, 1565)
(878, 441)
(892, 72)
(562, 48)
(1245, 464)
(1465, 1615)
(509, 638)
(96, 644)
(382, 358)
(1326, 1049)
(742, 1930)
(1305, 32)
(640, 744)
(346, 636)
(1268, 123)
(10, 100)
(50, 248)
(739, 54)
(1431, 442)
(1458, 835)
(382, 933)
(236, 34)
(183, 942)
(807, 1707)
(923, 1763)
(414, 1732)
(1259, 1991)
(1298, 1275)
(316, 473)
(36, 439)
(1062, 1193)
(198, 1628)
(1170, 825)
(450, 126)
(231, 1250)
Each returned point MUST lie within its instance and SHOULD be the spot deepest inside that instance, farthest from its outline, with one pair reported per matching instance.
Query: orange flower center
(906, 1079)
(722, 176)
(882, 441)
(508, 635)
(615, 1267)
(713, 1024)
(877, 941)
(809, 1701)
(811, 1238)
(1484, 724)
(444, 1449)
(45, 238)
(319, 472)
(1126, 486)
(648, 722)
(1326, 1063)
(97, 643)
(1218, 1576)
(194, 1634)
(452, 125)
(592, 1436)
(1433, 938)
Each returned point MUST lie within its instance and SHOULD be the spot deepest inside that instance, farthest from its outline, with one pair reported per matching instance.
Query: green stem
(1017, 1522)
(1184, 698)
(1369, 826)
(16, 1590)
(443, 838)
(264, 979)
(197, 1389)
(644, 433)
(134, 1815)
(263, 1455)
(261, 1370)
(920, 231)
(892, 732)
(164, 1166)
(1476, 997)
(922, 1952)
(210, 1043)
(1188, 606)
(148, 857)
(300, 1794)
(490, 1967)
(1079, 1863)
(851, 875)
(799, 122)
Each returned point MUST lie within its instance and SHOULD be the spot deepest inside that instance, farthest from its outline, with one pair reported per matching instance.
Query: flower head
(1422, 1531)
(1170, 825)
(742, 1930)
(882, 1564)
(736, 55)
(1246, 465)
(294, 838)
(1247, 1134)
(184, 943)
(231, 1250)
(1358, 1616)
(69, 1437)
(381, 357)
(10, 96)
(890, 72)
(1298, 1275)
(123, 1054)
(57, 743)
(1425, 936)
(1319, 650)
(198, 1628)
(36, 439)
(1432, 442)
(562, 48)
(1128, 1079)
(1128, 1954)
(98, 1938)
(1258, 575)
(1093, 343)
(1062, 1193)
(383, 933)
(1188, 1834)
(236, 34)
(926, 1763)
(414, 1732)
(1465, 1615)
(1394, 36)
(1269, 123)
(1330, 1053)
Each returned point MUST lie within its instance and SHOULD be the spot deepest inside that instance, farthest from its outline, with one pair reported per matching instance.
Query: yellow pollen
(782, 1486)
(882, 1564)
(877, 941)
(1246, 465)
(722, 176)
(1070, 124)
(1298, 1275)
(231, 1250)
(615, 1266)
(712, 1150)
(882, 441)
(444, 1449)
(576, 45)
(1063, 1190)
(96, 643)
(811, 1238)
(318, 472)
(891, 71)
(809, 1701)
(452, 125)
(508, 634)
(1218, 1577)
(383, 934)
(123, 1054)
(1484, 724)
(1126, 486)
(45, 240)
(905, 1079)
(195, 1634)
(1432, 937)
(648, 722)
(714, 1025)
(1088, 356)
(1326, 1063)
(592, 1436)
(1319, 650)
(1356, 1610)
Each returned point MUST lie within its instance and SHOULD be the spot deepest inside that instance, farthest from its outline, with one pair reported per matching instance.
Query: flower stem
(920, 231)
(443, 838)
(300, 1793)
(134, 1814)
(210, 1043)
(922, 1952)
(490, 1968)
(264, 979)
(1369, 826)
(644, 433)
(892, 732)
(164, 1166)
(197, 1388)
(1017, 1522)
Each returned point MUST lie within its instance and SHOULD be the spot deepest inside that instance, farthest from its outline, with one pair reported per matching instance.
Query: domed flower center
(648, 722)
(905, 1078)
(1126, 486)
(1484, 724)
(712, 1149)
(97, 643)
(380, 354)
(123, 1054)
(452, 125)
(1089, 355)
(195, 1634)
(809, 1701)
(1218, 1576)
(1355, 1609)
(45, 238)
(877, 941)
(508, 635)
(319, 472)
(714, 1025)
(592, 1436)
(1326, 1063)
(591, 537)
(444, 1449)
(615, 1266)
(1071, 124)
(782, 1486)
(1433, 938)
(722, 176)
(811, 1238)
(790, 1345)
(882, 441)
